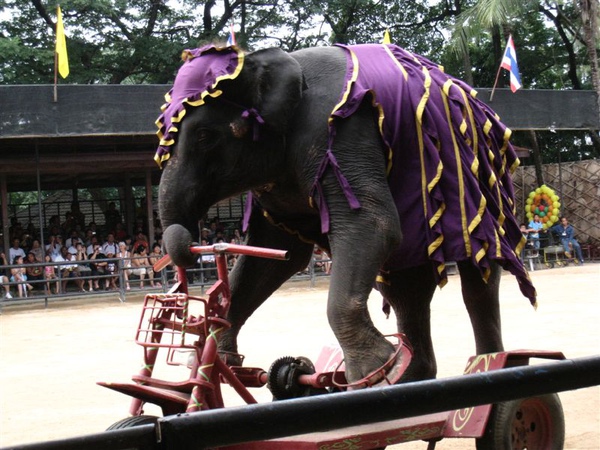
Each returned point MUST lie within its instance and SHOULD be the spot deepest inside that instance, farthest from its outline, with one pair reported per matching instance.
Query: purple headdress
(198, 77)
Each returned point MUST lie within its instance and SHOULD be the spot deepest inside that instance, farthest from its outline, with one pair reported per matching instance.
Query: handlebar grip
(162, 263)
(259, 252)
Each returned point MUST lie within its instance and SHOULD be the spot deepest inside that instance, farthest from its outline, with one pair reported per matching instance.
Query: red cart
(186, 328)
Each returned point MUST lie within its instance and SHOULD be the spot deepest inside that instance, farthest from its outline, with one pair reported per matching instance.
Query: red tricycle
(187, 328)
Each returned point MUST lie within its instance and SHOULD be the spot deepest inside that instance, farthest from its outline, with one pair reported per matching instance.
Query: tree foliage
(140, 41)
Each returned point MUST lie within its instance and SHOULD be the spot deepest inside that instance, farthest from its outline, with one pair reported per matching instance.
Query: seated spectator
(232, 257)
(84, 267)
(98, 268)
(237, 237)
(110, 246)
(154, 256)
(34, 273)
(219, 236)
(26, 241)
(73, 239)
(54, 245)
(212, 233)
(322, 260)
(4, 282)
(128, 243)
(125, 255)
(19, 275)
(142, 267)
(3, 278)
(208, 264)
(112, 271)
(87, 238)
(92, 226)
(16, 250)
(92, 245)
(204, 236)
(535, 227)
(69, 271)
(140, 239)
(37, 250)
(50, 274)
(566, 234)
(326, 261)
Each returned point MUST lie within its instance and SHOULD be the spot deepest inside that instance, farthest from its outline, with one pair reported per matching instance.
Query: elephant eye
(204, 136)
(207, 138)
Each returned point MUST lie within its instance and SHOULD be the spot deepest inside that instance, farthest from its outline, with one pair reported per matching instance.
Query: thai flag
(231, 39)
(509, 62)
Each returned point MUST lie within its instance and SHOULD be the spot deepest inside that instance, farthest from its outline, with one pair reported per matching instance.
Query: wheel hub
(283, 378)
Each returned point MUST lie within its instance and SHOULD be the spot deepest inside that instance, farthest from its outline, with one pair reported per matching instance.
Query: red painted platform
(361, 437)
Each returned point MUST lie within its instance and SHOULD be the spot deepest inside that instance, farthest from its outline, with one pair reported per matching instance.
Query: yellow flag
(61, 45)
(386, 37)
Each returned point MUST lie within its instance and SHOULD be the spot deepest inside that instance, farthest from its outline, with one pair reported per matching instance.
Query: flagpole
(496, 82)
(55, 76)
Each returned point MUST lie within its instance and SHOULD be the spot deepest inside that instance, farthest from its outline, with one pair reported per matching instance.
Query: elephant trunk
(177, 241)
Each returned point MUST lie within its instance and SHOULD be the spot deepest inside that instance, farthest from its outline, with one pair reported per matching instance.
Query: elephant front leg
(253, 280)
(358, 252)
(365, 348)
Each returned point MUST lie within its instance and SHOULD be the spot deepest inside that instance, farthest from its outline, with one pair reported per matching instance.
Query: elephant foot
(419, 370)
(232, 359)
(228, 349)
(389, 373)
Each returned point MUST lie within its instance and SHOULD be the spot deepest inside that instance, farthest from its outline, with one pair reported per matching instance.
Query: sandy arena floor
(51, 358)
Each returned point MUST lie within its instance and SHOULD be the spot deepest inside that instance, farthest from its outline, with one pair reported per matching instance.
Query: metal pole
(149, 210)
(236, 425)
(39, 190)
(212, 428)
(560, 185)
(5, 243)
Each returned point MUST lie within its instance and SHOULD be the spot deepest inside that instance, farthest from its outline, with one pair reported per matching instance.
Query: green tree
(140, 41)
(549, 57)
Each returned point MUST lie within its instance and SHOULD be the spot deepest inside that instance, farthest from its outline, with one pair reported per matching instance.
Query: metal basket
(172, 321)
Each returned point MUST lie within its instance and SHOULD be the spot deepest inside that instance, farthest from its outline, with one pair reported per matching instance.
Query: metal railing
(76, 282)
(212, 428)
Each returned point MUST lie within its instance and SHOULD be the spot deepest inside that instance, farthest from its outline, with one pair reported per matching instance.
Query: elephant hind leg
(483, 305)
(409, 292)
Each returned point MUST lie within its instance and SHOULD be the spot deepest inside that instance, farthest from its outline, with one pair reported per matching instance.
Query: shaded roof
(96, 135)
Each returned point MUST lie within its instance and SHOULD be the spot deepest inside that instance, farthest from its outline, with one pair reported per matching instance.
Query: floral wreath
(544, 202)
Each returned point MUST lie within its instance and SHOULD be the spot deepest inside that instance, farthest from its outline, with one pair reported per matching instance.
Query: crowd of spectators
(86, 257)
(564, 232)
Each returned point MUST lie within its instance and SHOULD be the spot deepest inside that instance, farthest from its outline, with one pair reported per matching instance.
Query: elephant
(370, 152)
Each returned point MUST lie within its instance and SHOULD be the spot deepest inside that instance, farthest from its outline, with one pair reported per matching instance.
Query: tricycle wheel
(534, 423)
(133, 421)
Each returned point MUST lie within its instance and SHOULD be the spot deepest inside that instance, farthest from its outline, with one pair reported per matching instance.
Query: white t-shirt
(14, 252)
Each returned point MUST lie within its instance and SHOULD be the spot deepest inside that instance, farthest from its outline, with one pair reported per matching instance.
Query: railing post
(311, 271)
(120, 270)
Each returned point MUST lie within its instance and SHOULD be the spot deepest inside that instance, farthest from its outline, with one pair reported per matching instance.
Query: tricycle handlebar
(249, 250)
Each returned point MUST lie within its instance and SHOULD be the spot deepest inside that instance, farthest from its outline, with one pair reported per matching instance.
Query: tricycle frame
(167, 322)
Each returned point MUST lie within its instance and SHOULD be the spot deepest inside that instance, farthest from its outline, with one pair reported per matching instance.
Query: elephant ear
(271, 83)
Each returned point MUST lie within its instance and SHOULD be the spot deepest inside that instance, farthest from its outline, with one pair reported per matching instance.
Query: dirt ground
(51, 358)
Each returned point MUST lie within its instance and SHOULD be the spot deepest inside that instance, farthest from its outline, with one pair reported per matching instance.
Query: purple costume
(449, 156)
